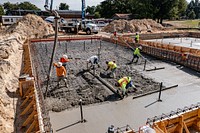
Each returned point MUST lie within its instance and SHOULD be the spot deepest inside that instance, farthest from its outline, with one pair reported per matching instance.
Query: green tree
(182, 6)
(191, 14)
(63, 6)
(27, 6)
(8, 6)
(22, 6)
(91, 10)
(1, 10)
(97, 15)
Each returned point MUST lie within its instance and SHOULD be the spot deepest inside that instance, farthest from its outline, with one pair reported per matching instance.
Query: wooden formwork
(181, 123)
(27, 92)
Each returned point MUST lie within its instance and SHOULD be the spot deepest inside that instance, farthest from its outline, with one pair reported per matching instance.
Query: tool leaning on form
(61, 73)
(125, 83)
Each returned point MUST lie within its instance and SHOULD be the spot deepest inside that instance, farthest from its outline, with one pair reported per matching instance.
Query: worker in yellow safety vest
(137, 37)
(124, 83)
(112, 66)
(136, 54)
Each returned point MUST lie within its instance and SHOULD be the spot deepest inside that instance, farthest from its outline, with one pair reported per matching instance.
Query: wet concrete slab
(185, 41)
(134, 112)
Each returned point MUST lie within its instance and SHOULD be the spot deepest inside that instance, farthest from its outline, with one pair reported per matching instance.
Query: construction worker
(111, 129)
(112, 66)
(93, 60)
(136, 54)
(61, 73)
(137, 37)
(64, 59)
(125, 83)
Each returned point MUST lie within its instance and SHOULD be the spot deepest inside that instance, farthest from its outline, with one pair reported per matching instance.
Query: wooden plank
(30, 117)
(28, 107)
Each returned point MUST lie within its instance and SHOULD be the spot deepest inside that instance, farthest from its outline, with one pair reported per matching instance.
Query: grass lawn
(185, 23)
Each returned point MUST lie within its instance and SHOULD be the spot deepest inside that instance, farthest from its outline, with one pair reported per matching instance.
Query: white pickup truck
(87, 26)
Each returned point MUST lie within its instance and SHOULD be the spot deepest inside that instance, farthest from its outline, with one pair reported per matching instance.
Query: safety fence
(180, 120)
(32, 106)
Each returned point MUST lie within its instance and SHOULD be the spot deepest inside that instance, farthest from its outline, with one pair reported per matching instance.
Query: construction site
(164, 99)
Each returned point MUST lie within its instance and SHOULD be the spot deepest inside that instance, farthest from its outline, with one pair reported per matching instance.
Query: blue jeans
(130, 84)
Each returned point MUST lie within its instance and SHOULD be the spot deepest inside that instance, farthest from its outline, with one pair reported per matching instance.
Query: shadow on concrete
(68, 126)
(113, 98)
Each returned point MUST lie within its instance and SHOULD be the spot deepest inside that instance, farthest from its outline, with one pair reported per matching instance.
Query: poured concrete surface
(185, 42)
(132, 111)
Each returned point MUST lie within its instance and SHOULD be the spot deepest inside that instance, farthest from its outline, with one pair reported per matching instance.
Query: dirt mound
(11, 41)
(31, 26)
(143, 25)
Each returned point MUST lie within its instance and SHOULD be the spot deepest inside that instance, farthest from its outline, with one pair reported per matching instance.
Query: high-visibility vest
(124, 81)
(112, 65)
(137, 51)
(137, 37)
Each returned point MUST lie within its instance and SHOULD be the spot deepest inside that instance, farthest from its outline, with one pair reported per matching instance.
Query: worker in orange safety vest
(61, 73)
(64, 59)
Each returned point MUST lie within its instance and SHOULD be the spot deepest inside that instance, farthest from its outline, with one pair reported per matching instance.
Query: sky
(73, 4)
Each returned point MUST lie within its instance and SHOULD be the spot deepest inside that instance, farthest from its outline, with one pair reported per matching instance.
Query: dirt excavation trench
(82, 84)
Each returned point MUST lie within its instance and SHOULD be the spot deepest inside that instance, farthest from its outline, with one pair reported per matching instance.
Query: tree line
(153, 9)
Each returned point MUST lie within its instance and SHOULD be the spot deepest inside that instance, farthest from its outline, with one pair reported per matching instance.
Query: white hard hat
(59, 64)
(140, 47)
(65, 56)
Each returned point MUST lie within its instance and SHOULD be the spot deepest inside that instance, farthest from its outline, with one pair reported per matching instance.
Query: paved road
(132, 111)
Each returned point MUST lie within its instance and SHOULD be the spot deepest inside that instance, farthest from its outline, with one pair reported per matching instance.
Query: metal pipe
(145, 62)
(84, 46)
(55, 40)
(148, 93)
(159, 100)
(155, 69)
(81, 110)
(99, 53)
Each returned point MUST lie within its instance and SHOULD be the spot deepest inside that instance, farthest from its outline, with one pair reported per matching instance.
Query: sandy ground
(83, 85)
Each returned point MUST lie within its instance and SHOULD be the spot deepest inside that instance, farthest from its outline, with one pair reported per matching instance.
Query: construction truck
(74, 26)
(89, 27)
